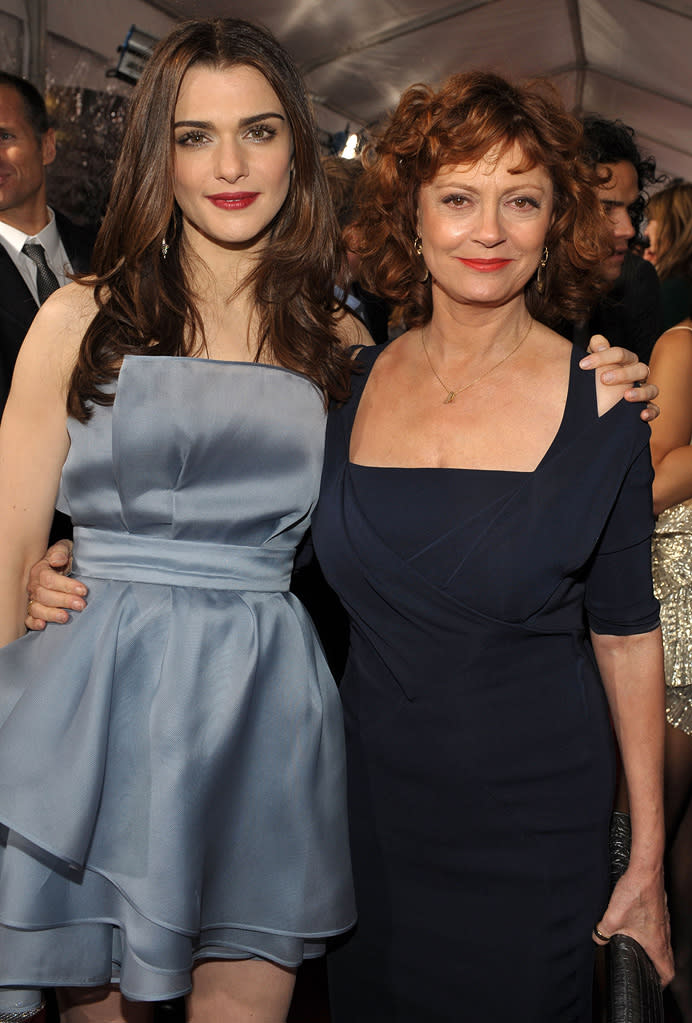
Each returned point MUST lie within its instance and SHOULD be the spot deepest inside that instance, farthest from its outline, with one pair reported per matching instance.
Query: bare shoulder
(70, 309)
(352, 332)
(676, 342)
(552, 346)
(58, 328)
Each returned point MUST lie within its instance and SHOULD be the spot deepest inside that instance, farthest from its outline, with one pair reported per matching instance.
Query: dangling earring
(164, 248)
(540, 273)
(418, 246)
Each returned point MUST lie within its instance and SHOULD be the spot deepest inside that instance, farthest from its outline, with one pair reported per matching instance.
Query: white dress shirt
(56, 257)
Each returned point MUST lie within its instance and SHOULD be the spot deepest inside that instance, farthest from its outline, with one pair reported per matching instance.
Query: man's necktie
(46, 281)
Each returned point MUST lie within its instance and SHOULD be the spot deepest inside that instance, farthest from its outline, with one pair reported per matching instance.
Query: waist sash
(107, 554)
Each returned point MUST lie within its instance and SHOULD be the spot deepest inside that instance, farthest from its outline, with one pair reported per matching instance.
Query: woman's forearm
(13, 597)
(632, 671)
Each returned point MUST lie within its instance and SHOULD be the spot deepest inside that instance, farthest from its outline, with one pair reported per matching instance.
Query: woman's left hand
(622, 367)
(638, 907)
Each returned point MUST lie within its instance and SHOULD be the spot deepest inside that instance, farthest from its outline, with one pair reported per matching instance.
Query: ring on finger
(28, 606)
(600, 936)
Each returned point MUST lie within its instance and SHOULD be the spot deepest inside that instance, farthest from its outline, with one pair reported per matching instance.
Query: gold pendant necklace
(451, 394)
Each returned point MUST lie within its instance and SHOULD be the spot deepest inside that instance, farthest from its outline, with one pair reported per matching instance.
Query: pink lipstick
(233, 200)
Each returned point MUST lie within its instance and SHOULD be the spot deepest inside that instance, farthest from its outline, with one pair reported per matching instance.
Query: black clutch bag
(634, 988)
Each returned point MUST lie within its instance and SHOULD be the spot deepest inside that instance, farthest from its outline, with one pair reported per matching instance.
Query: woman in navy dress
(493, 555)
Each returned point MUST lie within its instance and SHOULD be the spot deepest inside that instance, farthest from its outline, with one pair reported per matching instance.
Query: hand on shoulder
(622, 370)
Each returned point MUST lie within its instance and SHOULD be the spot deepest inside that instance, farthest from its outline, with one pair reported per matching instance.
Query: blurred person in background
(342, 178)
(669, 248)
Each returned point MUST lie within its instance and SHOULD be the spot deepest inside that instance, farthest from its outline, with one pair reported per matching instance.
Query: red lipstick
(485, 265)
(233, 200)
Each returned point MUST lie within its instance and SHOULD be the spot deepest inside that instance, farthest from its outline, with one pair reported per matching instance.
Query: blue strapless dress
(172, 778)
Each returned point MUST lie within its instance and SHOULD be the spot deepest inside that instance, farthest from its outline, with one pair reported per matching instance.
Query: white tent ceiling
(620, 58)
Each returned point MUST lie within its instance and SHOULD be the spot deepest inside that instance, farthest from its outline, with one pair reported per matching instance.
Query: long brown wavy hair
(471, 115)
(671, 208)
(144, 301)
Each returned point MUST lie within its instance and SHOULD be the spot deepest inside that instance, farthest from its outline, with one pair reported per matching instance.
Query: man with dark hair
(629, 312)
(39, 247)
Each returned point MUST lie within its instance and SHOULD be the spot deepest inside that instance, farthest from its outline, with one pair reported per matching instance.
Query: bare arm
(632, 671)
(621, 366)
(671, 454)
(33, 446)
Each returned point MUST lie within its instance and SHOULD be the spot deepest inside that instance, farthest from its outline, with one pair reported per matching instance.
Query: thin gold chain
(451, 394)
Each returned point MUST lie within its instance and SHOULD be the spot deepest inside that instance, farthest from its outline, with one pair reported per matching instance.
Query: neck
(30, 217)
(224, 302)
(218, 275)
(472, 333)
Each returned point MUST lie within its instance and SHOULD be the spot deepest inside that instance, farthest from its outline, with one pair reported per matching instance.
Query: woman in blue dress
(172, 793)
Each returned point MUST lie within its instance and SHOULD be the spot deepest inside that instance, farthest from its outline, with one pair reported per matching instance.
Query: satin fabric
(172, 780)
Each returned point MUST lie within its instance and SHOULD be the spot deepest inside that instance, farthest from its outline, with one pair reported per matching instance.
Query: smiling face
(23, 158)
(483, 228)
(618, 198)
(233, 156)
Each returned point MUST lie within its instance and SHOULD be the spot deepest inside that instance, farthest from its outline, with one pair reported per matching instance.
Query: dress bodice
(195, 449)
(505, 519)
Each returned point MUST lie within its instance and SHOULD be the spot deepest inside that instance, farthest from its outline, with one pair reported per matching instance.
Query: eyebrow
(244, 121)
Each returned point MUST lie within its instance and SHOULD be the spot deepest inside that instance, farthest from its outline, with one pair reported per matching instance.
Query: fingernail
(81, 591)
(607, 377)
(63, 617)
(77, 605)
(586, 363)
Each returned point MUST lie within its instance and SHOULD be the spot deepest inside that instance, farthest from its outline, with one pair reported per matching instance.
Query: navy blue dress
(480, 752)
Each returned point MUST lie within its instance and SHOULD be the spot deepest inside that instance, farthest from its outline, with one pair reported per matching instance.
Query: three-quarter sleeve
(619, 597)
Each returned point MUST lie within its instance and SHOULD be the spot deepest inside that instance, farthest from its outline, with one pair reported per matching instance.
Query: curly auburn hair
(473, 115)
(145, 303)
(671, 208)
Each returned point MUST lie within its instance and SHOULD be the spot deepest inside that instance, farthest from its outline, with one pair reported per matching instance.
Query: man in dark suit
(27, 147)
(38, 245)
(629, 312)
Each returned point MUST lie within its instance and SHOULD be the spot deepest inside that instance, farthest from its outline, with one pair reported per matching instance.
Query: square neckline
(569, 401)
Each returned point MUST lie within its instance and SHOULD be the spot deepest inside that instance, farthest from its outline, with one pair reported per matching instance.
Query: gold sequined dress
(672, 572)
(671, 549)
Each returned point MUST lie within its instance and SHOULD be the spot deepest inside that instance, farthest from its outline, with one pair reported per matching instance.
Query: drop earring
(540, 273)
(418, 246)
(164, 248)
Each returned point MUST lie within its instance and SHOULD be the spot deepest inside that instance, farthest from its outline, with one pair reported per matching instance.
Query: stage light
(134, 53)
